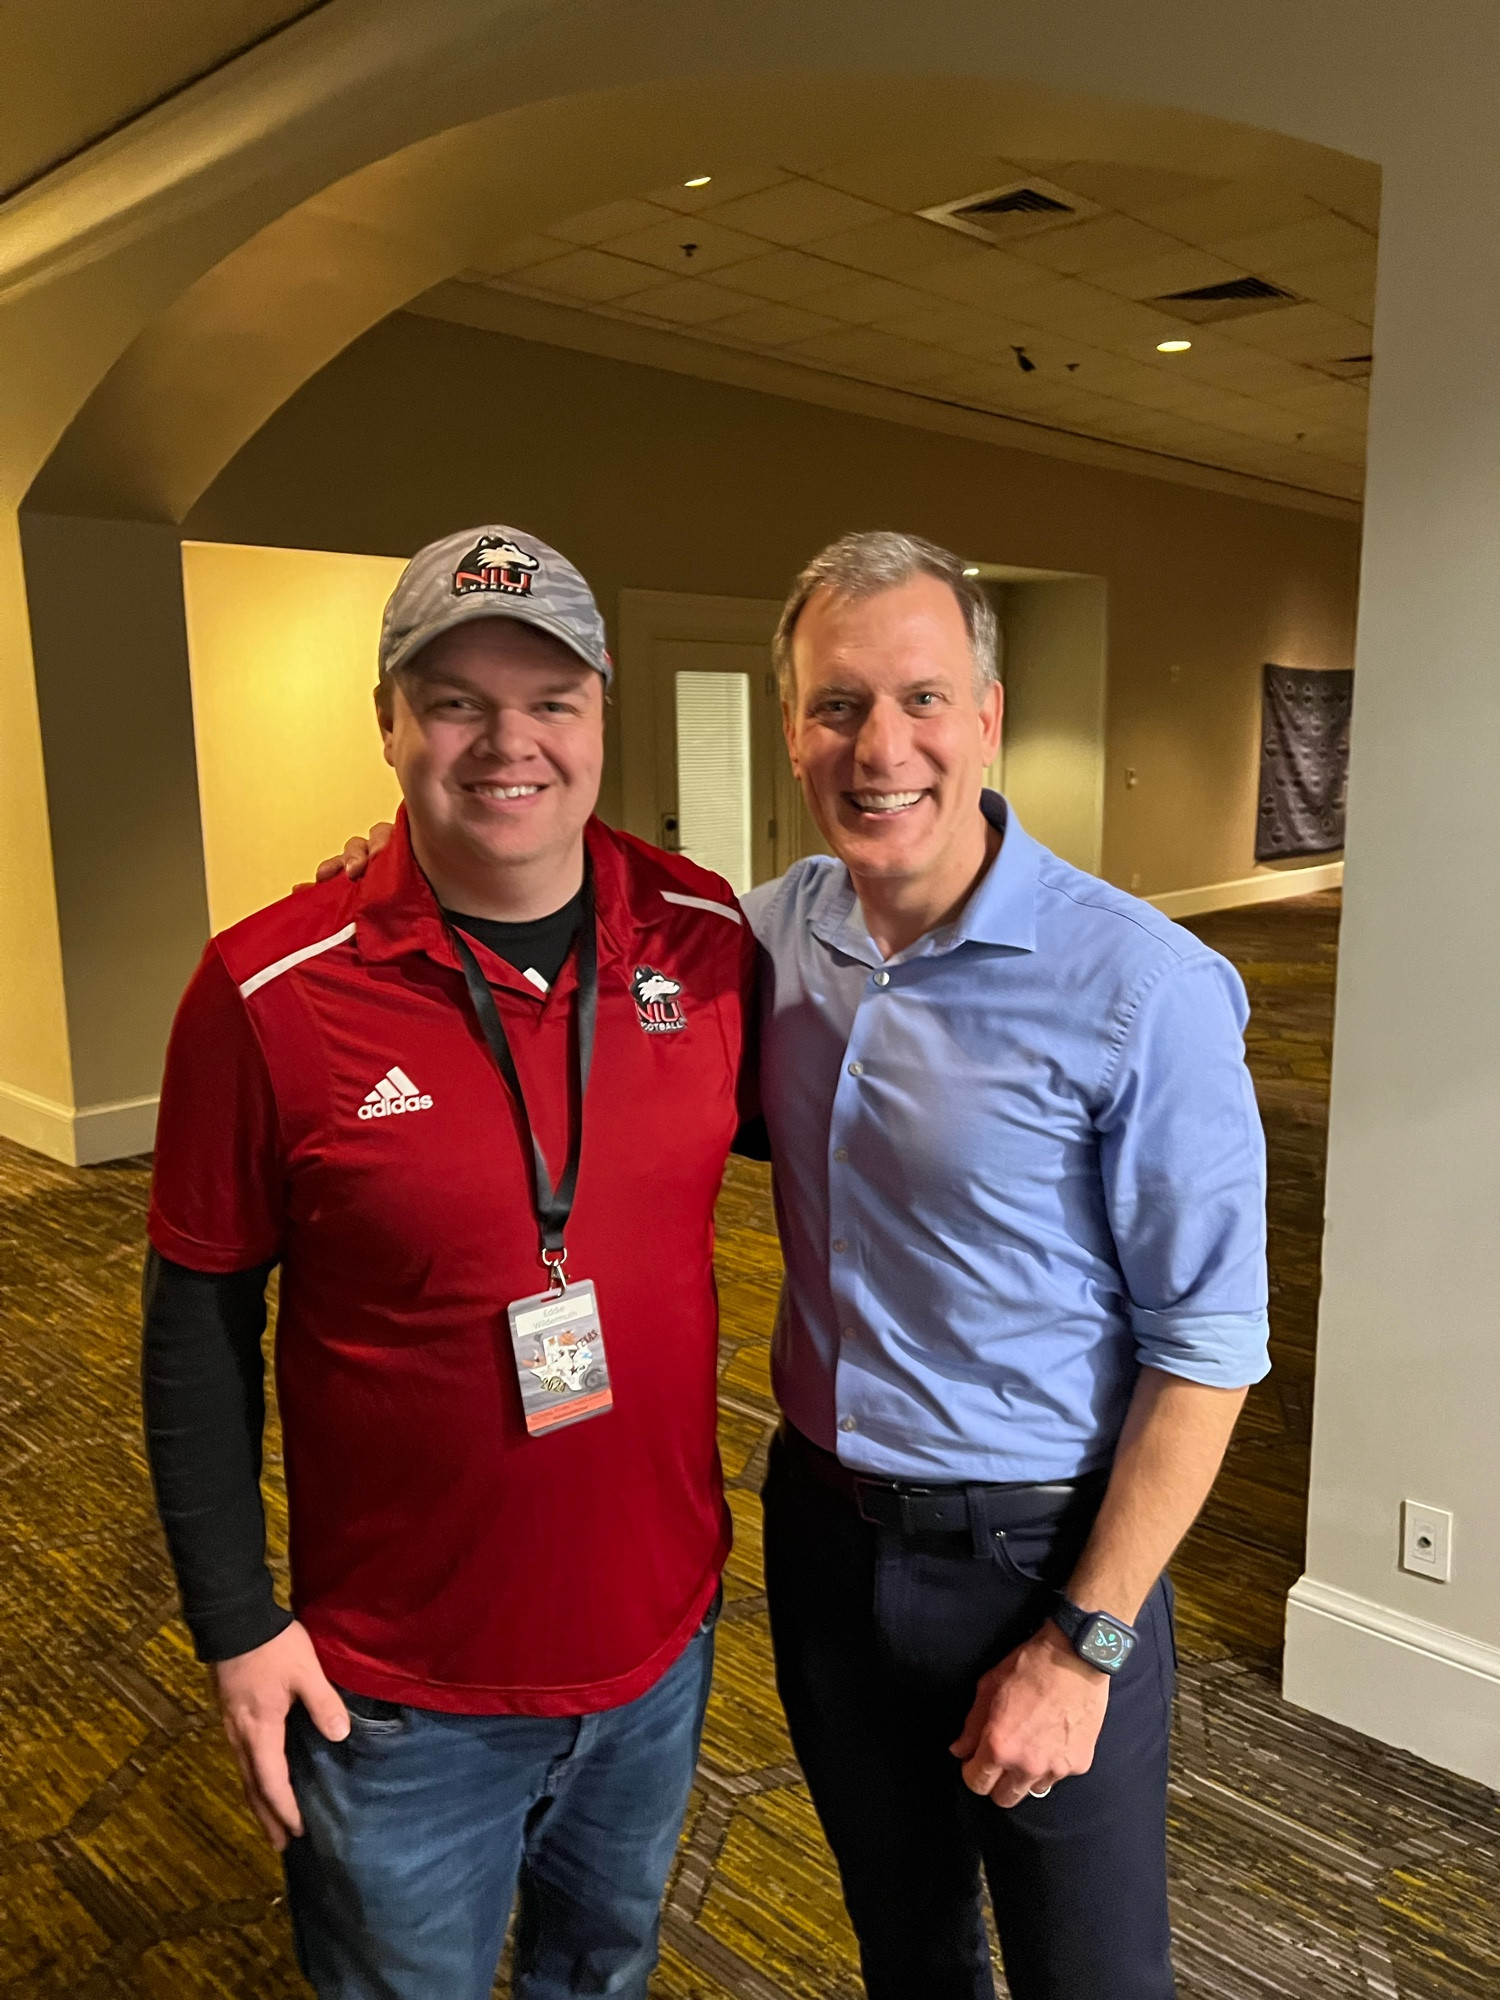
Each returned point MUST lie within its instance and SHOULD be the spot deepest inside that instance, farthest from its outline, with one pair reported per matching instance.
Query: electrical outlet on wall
(1427, 1540)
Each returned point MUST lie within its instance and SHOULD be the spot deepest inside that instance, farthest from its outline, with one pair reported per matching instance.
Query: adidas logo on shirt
(394, 1093)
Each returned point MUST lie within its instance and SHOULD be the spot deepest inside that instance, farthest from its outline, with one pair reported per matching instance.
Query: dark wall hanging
(1304, 762)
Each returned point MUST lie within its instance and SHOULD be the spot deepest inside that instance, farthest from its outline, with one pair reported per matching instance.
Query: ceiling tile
(796, 212)
(1245, 209)
(1273, 251)
(788, 275)
(616, 218)
(1084, 247)
(909, 181)
(1301, 333)
(1316, 396)
(1130, 190)
(1125, 376)
(772, 325)
(944, 323)
(860, 300)
(900, 245)
(515, 255)
(1178, 270)
(860, 350)
(989, 387)
(1232, 365)
(664, 245)
(688, 302)
(1348, 286)
(585, 275)
(722, 187)
(1082, 312)
(991, 279)
(1346, 447)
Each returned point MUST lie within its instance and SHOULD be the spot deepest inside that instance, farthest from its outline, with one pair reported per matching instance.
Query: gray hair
(864, 564)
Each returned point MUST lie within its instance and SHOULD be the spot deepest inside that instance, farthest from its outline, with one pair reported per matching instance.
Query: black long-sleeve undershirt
(203, 1387)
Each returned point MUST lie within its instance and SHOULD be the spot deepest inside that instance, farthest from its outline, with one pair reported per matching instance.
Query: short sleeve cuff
(1220, 1350)
(218, 1260)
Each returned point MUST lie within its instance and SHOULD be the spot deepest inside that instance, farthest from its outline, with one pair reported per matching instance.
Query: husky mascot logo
(656, 1001)
(495, 564)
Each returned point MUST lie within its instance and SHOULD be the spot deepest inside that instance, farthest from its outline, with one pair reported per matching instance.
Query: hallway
(1309, 1862)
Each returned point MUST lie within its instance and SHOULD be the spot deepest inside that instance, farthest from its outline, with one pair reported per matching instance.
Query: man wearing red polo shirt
(476, 1106)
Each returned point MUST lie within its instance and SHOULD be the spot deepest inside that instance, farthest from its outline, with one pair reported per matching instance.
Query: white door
(706, 770)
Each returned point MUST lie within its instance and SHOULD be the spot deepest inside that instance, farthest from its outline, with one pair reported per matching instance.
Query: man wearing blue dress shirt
(1020, 1186)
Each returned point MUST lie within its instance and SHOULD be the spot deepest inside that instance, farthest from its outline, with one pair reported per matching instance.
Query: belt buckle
(901, 1511)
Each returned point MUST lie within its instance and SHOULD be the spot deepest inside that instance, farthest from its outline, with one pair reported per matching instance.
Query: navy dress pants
(880, 1640)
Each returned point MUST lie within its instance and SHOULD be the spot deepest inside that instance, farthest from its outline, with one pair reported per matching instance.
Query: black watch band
(1097, 1638)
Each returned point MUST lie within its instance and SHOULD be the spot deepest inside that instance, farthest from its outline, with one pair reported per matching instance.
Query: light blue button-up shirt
(1014, 1163)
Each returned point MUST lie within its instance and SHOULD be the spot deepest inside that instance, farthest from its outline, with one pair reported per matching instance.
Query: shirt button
(841, 1154)
(856, 1069)
(846, 1424)
(838, 1244)
(882, 979)
(848, 1333)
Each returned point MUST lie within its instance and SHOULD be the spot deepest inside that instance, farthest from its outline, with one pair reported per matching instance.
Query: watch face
(1105, 1645)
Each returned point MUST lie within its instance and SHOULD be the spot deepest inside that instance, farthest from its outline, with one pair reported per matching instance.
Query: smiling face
(890, 738)
(496, 734)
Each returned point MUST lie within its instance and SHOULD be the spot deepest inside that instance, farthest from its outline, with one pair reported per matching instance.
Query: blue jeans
(421, 1827)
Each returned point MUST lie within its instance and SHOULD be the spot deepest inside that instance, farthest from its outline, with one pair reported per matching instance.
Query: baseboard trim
(1402, 1680)
(78, 1138)
(1273, 887)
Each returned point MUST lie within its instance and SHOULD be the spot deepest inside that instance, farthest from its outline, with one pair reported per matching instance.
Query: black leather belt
(976, 1510)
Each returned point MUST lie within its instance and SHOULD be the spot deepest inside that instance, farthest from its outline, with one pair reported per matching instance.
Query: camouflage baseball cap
(491, 573)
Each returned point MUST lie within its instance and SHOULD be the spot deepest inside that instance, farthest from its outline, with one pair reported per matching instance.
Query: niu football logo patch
(656, 998)
(495, 564)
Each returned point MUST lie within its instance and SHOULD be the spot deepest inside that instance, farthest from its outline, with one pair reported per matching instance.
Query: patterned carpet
(1308, 1863)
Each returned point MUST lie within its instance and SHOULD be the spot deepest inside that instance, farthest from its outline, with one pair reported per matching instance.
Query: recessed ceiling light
(971, 569)
(1173, 346)
(698, 181)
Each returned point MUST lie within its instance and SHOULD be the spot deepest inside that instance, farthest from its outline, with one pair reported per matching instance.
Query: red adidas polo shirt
(329, 1102)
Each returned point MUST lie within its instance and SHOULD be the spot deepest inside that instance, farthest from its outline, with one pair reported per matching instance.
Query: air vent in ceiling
(1350, 367)
(1021, 208)
(1235, 298)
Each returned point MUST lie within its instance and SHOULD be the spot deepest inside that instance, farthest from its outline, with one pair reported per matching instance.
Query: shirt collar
(1001, 911)
(398, 914)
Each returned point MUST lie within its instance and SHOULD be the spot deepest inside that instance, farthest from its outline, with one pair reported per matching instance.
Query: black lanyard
(553, 1205)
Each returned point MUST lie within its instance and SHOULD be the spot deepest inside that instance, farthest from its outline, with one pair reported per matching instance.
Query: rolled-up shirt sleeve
(1182, 1156)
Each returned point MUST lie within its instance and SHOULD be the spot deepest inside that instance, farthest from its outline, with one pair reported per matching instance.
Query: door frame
(644, 617)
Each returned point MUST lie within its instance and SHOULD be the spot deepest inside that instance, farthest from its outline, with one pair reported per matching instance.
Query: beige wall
(657, 481)
(281, 645)
(1056, 670)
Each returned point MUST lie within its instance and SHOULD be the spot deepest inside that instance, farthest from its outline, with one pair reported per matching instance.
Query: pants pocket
(370, 1717)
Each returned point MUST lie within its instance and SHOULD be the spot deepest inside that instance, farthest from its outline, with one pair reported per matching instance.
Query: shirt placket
(848, 1280)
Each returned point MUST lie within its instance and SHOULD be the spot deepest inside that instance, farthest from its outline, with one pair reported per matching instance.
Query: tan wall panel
(657, 481)
(112, 693)
(33, 1027)
(282, 650)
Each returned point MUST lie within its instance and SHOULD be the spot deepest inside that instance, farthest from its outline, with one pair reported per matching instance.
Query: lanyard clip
(554, 1261)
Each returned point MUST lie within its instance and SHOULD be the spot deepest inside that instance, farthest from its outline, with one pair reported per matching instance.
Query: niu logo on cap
(656, 1005)
(394, 1094)
(495, 564)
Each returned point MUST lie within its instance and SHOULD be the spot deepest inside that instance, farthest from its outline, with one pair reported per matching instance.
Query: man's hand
(1036, 1718)
(256, 1691)
(357, 854)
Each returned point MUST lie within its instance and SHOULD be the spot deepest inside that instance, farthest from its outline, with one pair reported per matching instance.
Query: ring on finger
(1040, 1791)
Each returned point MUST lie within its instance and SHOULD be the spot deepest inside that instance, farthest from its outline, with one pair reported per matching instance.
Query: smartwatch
(1103, 1642)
